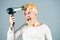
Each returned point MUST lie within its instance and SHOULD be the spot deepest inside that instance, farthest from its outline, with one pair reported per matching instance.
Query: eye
(29, 12)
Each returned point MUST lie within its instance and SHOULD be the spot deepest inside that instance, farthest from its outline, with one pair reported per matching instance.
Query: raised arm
(11, 34)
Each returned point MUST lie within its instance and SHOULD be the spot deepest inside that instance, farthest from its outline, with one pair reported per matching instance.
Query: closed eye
(29, 12)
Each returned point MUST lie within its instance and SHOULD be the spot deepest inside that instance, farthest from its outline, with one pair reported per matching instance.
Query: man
(32, 29)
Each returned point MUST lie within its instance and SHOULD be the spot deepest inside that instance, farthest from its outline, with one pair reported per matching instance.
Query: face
(30, 15)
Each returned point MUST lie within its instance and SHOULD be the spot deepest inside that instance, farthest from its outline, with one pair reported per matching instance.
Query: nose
(27, 16)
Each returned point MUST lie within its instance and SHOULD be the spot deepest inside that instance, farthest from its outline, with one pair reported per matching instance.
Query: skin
(30, 13)
(31, 18)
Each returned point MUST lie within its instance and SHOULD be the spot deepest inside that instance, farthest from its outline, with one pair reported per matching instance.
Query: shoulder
(22, 26)
(46, 28)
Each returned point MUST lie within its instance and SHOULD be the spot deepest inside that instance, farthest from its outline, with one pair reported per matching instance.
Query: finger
(12, 17)
(13, 20)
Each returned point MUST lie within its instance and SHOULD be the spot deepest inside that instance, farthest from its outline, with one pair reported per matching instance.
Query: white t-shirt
(30, 33)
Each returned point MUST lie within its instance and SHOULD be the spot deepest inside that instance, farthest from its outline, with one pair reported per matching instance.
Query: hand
(12, 21)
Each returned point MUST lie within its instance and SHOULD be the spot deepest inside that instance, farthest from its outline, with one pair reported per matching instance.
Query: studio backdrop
(48, 13)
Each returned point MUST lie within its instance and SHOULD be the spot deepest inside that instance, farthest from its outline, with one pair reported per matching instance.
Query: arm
(11, 35)
(48, 35)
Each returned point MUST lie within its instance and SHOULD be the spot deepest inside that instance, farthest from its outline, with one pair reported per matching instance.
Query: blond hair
(30, 6)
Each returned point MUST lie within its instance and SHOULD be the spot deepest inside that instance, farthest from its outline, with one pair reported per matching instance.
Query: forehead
(28, 10)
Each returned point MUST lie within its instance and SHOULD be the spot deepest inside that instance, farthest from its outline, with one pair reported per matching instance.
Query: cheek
(25, 16)
(32, 16)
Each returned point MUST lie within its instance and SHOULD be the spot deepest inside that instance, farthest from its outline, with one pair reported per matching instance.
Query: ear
(35, 13)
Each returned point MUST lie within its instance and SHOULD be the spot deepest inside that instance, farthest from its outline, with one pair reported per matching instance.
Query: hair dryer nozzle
(10, 11)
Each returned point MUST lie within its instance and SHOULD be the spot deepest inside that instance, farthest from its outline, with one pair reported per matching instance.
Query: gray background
(49, 13)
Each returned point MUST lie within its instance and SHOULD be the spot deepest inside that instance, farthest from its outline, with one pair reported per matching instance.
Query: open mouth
(28, 19)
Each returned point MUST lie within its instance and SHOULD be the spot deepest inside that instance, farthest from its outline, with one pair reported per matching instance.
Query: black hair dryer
(13, 10)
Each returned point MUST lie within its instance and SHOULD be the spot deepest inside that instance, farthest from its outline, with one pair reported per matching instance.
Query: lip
(28, 19)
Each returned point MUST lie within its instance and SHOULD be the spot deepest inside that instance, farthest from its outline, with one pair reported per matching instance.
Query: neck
(34, 23)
